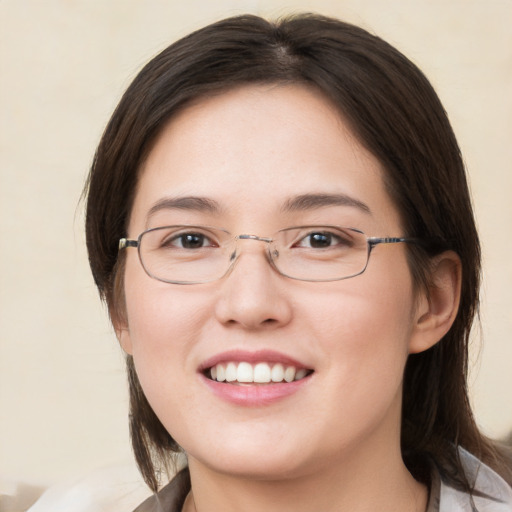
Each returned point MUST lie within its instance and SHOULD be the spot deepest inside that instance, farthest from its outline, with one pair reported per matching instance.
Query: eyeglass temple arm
(373, 241)
(125, 242)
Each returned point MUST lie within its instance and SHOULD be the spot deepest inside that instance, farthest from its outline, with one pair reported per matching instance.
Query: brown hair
(395, 113)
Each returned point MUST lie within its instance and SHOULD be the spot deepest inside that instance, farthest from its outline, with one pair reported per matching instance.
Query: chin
(265, 468)
(262, 461)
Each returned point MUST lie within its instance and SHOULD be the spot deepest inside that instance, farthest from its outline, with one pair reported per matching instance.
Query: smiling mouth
(260, 373)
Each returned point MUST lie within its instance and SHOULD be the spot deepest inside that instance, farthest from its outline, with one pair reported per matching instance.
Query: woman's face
(249, 154)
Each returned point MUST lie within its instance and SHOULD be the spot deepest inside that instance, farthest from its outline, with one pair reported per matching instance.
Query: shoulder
(492, 493)
(111, 489)
(169, 498)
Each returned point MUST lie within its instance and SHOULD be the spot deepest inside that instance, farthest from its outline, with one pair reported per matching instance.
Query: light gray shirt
(493, 494)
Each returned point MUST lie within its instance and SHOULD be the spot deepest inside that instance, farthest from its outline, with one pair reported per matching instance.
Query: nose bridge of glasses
(245, 236)
(254, 237)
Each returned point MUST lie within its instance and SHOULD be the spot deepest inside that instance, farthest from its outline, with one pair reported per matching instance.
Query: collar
(492, 494)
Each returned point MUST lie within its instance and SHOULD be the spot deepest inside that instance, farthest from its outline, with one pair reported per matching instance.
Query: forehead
(254, 149)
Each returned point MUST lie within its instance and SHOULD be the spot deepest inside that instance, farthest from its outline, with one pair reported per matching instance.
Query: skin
(334, 444)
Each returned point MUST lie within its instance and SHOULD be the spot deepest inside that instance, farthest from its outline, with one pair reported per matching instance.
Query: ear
(437, 306)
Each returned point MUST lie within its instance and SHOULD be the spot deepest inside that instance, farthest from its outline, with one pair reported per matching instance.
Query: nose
(253, 295)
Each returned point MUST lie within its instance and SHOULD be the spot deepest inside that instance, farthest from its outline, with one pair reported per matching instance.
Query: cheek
(163, 330)
(366, 311)
(363, 341)
(160, 319)
(158, 314)
(164, 322)
(364, 332)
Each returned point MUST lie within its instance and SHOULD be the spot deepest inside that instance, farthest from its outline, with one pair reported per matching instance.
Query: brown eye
(192, 241)
(321, 240)
(188, 241)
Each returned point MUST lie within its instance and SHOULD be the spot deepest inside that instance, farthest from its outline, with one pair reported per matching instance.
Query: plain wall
(63, 67)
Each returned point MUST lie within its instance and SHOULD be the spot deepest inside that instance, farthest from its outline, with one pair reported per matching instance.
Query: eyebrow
(314, 201)
(298, 203)
(200, 204)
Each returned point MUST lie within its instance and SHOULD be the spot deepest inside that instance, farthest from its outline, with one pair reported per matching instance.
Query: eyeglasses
(200, 254)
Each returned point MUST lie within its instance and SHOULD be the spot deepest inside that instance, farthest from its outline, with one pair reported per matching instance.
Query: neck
(387, 487)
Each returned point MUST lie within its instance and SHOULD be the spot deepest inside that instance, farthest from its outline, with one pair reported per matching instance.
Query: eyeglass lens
(198, 254)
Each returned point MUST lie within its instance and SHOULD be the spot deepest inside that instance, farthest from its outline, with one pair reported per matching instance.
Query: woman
(279, 221)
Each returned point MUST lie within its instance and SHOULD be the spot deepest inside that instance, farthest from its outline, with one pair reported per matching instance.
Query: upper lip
(259, 356)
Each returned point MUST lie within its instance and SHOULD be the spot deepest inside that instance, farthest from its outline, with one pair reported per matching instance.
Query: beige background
(63, 66)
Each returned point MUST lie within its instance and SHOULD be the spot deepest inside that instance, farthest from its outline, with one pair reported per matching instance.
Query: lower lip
(254, 395)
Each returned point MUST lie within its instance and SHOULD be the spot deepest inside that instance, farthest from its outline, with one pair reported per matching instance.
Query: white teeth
(231, 373)
(245, 373)
(300, 374)
(261, 373)
(289, 374)
(277, 373)
(221, 373)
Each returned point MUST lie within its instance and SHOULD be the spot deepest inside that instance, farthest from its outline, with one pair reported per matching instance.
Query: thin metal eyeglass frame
(371, 242)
